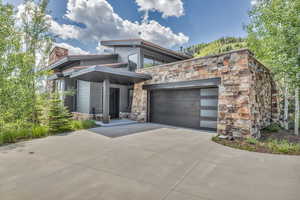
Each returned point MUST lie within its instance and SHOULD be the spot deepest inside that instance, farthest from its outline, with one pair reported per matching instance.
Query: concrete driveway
(149, 163)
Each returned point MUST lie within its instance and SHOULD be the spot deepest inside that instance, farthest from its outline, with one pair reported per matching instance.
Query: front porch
(110, 97)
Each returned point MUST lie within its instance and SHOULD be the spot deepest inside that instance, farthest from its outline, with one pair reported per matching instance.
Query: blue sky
(172, 23)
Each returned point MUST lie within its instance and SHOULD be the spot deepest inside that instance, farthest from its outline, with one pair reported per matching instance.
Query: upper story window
(133, 62)
(150, 62)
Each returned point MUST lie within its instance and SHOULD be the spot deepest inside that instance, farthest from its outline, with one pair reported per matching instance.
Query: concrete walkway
(164, 163)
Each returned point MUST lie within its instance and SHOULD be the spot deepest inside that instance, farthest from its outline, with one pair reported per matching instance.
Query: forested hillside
(215, 47)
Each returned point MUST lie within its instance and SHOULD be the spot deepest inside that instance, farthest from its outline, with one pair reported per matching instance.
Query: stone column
(106, 87)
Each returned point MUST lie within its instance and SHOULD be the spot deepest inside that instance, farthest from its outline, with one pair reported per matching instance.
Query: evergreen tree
(59, 117)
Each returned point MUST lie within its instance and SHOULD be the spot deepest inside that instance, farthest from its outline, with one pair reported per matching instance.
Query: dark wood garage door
(191, 108)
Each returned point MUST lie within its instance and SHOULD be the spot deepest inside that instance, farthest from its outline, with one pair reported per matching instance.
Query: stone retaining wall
(243, 110)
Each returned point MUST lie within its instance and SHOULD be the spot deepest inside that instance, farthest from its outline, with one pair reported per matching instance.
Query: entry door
(114, 100)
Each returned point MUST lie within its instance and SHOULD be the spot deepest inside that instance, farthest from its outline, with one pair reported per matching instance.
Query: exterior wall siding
(83, 96)
(240, 113)
(96, 97)
(89, 96)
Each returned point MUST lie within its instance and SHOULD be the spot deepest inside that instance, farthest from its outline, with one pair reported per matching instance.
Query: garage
(191, 108)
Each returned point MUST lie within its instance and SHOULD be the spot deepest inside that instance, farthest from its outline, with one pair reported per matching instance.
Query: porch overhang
(118, 76)
(55, 76)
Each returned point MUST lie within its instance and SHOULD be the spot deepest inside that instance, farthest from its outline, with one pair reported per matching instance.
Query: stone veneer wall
(243, 110)
(264, 97)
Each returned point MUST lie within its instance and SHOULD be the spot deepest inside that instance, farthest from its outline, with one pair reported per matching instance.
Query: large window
(150, 62)
(133, 62)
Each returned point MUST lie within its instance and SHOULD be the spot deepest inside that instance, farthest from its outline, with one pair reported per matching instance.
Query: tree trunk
(286, 106)
(297, 112)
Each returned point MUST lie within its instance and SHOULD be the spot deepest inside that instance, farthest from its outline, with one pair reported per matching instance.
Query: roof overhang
(68, 60)
(203, 83)
(100, 73)
(144, 44)
(55, 76)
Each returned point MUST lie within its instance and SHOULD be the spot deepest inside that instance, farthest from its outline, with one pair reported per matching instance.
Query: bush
(251, 140)
(88, 124)
(272, 128)
(39, 131)
(13, 133)
(82, 124)
(7, 137)
(59, 117)
(283, 146)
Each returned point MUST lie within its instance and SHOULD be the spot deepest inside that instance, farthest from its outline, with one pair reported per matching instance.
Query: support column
(106, 87)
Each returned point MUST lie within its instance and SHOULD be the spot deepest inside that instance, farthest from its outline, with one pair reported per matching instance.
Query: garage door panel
(209, 113)
(191, 108)
(208, 124)
(175, 107)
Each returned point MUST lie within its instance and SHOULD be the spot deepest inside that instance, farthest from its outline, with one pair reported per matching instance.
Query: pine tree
(59, 117)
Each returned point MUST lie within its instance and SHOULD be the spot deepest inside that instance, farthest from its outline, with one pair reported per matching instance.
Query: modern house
(232, 92)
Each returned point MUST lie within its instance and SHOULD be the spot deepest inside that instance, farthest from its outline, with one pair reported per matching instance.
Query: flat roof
(75, 58)
(100, 73)
(144, 44)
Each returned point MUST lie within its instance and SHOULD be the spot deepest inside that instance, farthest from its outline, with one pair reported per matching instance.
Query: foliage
(82, 124)
(218, 46)
(269, 146)
(59, 117)
(272, 128)
(251, 140)
(14, 134)
(274, 36)
(39, 131)
(24, 39)
(283, 146)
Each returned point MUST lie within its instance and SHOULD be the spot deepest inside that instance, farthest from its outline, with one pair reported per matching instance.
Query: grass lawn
(273, 140)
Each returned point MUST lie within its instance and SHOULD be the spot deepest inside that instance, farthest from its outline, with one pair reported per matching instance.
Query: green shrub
(22, 133)
(251, 140)
(76, 125)
(283, 146)
(13, 135)
(39, 131)
(88, 124)
(82, 124)
(7, 136)
(272, 128)
(59, 117)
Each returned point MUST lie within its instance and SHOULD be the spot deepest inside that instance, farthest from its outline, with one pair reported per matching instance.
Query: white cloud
(64, 31)
(72, 50)
(254, 2)
(100, 22)
(166, 7)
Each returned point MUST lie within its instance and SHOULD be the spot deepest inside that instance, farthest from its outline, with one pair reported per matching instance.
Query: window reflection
(150, 62)
(133, 62)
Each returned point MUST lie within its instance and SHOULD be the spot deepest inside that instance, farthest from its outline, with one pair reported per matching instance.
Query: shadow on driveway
(123, 130)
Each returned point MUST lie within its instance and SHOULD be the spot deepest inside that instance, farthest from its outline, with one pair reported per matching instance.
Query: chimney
(57, 53)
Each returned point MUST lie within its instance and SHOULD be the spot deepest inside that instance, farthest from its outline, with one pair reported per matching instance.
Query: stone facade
(247, 93)
(85, 116)
(57, 53)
